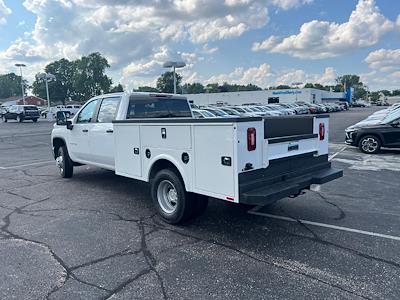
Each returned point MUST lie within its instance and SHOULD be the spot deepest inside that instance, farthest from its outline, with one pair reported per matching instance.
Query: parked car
(217, 112)
(21, 113)
(370, 135)
(3, 111)
(202, 114)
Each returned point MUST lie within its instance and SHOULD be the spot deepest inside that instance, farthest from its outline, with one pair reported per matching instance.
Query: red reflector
(230, 199)
(321, 131)
(251, 139)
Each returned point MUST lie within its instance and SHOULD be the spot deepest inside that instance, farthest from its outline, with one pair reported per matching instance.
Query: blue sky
(265, 42)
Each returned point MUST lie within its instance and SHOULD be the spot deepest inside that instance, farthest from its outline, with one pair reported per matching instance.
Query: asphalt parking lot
(97, 236)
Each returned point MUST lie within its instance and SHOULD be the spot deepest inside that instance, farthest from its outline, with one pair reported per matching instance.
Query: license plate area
(293, 147)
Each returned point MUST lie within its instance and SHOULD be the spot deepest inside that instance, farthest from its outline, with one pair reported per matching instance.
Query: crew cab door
(102, 132)
(79, 141)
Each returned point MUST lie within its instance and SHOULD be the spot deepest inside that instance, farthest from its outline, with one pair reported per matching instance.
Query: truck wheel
(200, 203)
(170, 197)
(34, 120)
(64, 162)
(369, 144)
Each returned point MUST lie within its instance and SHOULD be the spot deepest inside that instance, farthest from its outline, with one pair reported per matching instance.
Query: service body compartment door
(127, 150)
(214, 160)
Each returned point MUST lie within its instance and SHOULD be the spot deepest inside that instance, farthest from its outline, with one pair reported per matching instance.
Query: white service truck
(154, 138)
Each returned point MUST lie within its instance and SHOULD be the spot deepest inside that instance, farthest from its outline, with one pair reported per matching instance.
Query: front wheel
(64, 162)
(369, 144)
(170, 197)
(34, 120)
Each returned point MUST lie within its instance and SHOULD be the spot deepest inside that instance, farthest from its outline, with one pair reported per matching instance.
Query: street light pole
(174, 80)
(174, 65)
(46, 77)
(22, 81)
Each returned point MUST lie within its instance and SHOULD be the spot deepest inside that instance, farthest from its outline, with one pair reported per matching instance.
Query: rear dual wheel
(173, 203)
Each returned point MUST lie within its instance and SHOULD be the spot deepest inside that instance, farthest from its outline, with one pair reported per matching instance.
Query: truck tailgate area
(285, 177)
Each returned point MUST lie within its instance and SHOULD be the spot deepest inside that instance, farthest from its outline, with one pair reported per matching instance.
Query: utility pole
(22, 81)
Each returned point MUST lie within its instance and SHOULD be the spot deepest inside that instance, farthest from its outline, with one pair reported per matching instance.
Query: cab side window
(87, 113)
(108, 109)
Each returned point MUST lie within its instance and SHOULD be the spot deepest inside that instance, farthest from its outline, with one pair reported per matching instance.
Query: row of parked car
(257, 109)
(22, 113)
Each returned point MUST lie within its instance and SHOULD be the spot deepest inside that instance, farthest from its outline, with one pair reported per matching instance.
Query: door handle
(109, 131)
(85, 130)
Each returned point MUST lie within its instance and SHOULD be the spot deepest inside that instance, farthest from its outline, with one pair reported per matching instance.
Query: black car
(370, 137)
(21, 113)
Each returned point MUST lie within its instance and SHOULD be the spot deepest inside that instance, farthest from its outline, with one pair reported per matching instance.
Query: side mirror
(69, 125)
(61, 118)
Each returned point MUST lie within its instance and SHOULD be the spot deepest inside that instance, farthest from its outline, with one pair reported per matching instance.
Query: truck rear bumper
(285, 177)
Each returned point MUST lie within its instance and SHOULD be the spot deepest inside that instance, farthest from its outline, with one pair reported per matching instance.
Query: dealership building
(308, 95)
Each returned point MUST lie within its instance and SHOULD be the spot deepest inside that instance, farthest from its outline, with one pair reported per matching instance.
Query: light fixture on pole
(47, 77)
(22, 81)
(174, 65)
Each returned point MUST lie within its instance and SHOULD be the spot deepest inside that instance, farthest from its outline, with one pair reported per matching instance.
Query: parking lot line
(337, 153)
(27, 165)
(254, 211)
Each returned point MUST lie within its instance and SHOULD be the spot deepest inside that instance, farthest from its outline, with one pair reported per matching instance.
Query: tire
(370, 144)
(64, 163)
(19, 119)
(200, 203)
(170, 197)
(34, 120)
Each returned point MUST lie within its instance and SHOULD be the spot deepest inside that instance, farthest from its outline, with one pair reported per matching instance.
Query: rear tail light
(251, 139)
(321, 131)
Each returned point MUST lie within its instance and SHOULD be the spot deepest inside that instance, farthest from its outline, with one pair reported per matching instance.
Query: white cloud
(384, 60)
(260, 75)
(4, 12)
(264, 77)
(321, 39)
(287, 4)
(376, 80)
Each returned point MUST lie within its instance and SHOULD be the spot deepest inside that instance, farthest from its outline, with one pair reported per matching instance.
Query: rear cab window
(162, 107)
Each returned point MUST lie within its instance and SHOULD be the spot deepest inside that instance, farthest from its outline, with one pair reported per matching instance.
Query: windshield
(30, 108)
(217, 112)
(207, 114)
(392, 116)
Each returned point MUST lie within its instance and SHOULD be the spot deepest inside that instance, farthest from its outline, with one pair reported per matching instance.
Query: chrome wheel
(60, 162)
(167, 196)
(370, 145)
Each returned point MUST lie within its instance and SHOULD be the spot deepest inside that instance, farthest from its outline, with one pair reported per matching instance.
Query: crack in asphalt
(152, 262)
(342, 214)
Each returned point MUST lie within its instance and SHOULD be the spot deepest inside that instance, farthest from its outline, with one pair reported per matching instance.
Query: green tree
(396, 93)
(283, 87)
(89, 79)
(193, 88)
(165, 83)
(10, 85)
(147, 89)
(117, 89)
(212, 88)
(62, 88)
